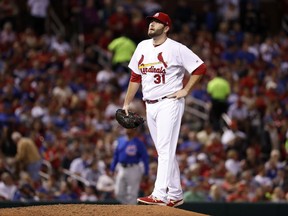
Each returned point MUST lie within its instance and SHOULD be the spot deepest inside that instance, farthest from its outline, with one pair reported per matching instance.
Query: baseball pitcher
(159, 65)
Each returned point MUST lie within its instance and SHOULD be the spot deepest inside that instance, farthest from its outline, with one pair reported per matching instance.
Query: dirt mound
(93, 209)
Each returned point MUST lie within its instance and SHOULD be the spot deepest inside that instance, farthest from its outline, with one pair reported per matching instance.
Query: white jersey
(162, 68)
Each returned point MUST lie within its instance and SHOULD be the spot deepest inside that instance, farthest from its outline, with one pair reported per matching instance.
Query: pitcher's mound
(94, 209)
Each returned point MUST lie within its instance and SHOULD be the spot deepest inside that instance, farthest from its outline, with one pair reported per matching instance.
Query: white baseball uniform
(162, 70)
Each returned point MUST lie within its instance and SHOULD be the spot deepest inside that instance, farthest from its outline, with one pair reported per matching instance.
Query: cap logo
(156, 15)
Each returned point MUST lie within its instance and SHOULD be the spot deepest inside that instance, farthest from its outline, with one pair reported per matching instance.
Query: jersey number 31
(159, 78)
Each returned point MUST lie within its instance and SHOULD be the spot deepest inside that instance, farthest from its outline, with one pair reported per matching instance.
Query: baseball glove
(132, 120)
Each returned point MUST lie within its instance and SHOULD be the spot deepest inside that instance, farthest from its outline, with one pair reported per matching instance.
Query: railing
(76, 177)
(197, 107)
(197, 113)
(55, 23)
(105, 57)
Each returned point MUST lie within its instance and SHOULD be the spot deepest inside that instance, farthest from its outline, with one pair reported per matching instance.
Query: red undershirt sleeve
(201, 70)
(135, 77)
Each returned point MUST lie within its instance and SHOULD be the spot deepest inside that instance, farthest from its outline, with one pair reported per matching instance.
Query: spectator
(122, 49)
(65, 192)
(38, 10)
(261, 177)
(104, 77)
(234, 138)
(286, 196)
(106, 185)
(280, 179)
(147, 184)
(150, 7)
(105, 39)
(42, 195)
(119, 21)
(231, 13)
(138, 25)
(28, 157)
(90, 61)
(194, 193)
(259, 195)
(271, 136)
(89, 194)
(206, 135)
(39, 109)
(79, 164)
(190, 175)
(232, 163)
(269, 49)
(223, 6)
(222, 35)
(7, 35)
(29, 38)
(25, 193)
(215, 150)
(50, 186)
(92, 173)
(274, 164)
(7, 186)
(90, 17)
(219, 90)
(191, 144)
(251, 160)
(60, 46)
(246, 177)
(61, 91)
(204, 164)
(113, 106)
(237, 35)
(216, 194)
(199, 92)
(52, 152)
(8, 147)
(183, 13)
(248, 97)
(229, 185)
(245, 55)
(251, 19)
(240, 195)
(278, 195)
(9, 12)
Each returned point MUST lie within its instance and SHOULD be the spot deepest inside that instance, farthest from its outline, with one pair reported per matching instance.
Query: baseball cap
(161, 17)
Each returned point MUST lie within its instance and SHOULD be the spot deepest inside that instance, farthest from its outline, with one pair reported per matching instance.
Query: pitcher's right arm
(134, 85)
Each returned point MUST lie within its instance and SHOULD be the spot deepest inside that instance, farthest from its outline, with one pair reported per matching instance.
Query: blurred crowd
(59, 92)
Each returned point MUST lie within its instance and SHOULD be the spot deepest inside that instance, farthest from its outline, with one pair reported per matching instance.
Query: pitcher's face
(155, 29)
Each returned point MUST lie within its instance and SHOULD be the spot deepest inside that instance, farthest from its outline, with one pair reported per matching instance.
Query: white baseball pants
(164, 122)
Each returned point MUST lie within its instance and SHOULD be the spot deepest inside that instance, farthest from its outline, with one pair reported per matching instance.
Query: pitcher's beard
(155, 33)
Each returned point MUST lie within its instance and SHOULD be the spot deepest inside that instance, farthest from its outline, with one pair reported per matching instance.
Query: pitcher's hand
(126, 108)
(179, 94)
